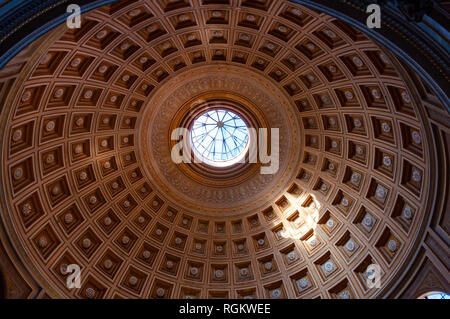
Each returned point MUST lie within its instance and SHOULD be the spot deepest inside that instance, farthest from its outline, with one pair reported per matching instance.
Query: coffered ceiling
(88, 179)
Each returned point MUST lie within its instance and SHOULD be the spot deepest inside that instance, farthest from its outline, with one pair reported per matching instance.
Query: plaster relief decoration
(88, 177)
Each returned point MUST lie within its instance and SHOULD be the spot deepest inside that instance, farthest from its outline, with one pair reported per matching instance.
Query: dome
(200, 149)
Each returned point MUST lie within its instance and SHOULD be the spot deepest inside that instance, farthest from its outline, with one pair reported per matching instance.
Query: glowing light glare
(284, 233)
(219, 138)
(311, 217)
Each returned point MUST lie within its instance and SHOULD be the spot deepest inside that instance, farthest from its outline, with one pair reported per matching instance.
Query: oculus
(219, 138)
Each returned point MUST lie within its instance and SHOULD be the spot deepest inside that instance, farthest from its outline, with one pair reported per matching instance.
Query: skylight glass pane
(219, 136)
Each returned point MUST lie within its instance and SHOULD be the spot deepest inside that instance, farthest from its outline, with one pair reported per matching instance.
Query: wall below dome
(424, 263)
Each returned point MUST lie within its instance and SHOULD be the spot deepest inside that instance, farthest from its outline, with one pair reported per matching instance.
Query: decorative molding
(77, 189)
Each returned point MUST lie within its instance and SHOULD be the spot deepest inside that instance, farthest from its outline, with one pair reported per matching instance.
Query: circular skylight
(437, 295)
(219, 138)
